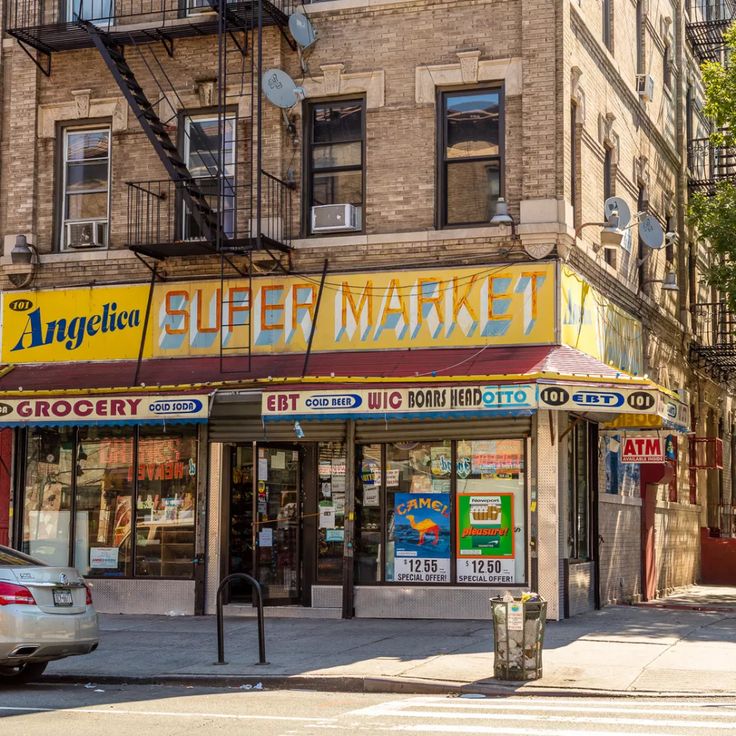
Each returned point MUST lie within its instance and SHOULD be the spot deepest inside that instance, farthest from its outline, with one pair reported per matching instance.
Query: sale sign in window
(421, 537)
(485, 538)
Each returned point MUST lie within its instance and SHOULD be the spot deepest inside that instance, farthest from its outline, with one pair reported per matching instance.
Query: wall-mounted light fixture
(669, 282)
(502, 216)
(23, 263)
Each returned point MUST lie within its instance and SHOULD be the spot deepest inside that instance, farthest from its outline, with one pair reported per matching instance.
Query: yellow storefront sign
(467, 307)
(58, 325)
(594, 325)
(508, 305)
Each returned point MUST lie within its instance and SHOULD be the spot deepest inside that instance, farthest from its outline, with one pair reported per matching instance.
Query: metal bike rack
(220, 617)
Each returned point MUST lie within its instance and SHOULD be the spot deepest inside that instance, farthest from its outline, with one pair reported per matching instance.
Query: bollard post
(221, 616)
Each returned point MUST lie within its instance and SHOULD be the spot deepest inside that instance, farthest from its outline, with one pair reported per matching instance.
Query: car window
(13, 558)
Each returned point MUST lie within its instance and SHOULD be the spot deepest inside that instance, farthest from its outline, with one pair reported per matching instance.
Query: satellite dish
(616, 204)
(302, 30)
(650, 232)
(280, 89)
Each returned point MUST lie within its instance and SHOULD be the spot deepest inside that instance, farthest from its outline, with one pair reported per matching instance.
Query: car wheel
(27, 672)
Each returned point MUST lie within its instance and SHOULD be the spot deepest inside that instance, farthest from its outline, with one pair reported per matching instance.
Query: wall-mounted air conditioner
(88, 234)
(645, 87)
(332, 218)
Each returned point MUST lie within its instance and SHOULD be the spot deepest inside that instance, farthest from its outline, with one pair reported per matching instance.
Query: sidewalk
(618, 650)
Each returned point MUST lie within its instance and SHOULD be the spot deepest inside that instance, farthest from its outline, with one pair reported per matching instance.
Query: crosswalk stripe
(502, 730)
(552, 706)
(499, 715)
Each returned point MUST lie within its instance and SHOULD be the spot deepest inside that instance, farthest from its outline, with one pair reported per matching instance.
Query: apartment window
(608, 188)
(335, 160)
(667, 67)
(203, 148)
(578, 492)
(642, 206)
(85, 188)
(471, 161)
(574, 162)
(640, 38)
(89, 10)
(607, 23)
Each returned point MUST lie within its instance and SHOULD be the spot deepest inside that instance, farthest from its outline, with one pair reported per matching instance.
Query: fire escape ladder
(193, 197)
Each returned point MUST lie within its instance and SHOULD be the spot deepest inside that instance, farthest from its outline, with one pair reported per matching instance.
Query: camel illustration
(425, 526)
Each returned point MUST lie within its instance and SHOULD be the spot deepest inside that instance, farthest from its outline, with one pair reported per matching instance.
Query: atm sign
(642, 450)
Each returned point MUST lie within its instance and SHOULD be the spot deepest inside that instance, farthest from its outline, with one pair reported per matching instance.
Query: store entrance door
(276, 531)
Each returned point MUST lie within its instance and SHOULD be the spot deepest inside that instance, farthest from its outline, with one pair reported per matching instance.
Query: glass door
(241, 512)
(277, 514)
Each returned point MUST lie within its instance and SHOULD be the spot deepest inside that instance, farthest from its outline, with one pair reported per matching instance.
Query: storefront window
(47, 498)
(578, 504)
(418, 511)
(84, 496)
(368, 516)
(104, 501)
(453, 512)
(491, 546)
(331, 502)
(167, 488)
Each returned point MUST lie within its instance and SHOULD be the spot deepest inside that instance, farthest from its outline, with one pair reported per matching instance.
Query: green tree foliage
(714, 215)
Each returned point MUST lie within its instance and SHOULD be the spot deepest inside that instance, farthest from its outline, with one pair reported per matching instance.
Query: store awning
(548, 377)
(485, 364)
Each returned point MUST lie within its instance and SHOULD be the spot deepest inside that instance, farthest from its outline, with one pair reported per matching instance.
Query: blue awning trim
(383, 416)
(101, 423)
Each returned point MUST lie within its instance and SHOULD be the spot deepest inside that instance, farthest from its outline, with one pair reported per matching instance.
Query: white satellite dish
(280, 89)
(650, 232)
(302, 30)
(616, 204)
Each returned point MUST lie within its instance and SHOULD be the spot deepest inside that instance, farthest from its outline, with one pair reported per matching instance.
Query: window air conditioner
(331, 218)
(645, 87)
(90, 234)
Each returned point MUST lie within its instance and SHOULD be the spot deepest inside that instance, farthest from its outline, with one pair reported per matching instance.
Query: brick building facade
(569, 129)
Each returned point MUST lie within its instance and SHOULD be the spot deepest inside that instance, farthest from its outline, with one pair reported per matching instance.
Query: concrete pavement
(621, 649)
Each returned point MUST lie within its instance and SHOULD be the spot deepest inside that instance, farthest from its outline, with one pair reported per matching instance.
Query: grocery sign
(103, 410)
(642, 450)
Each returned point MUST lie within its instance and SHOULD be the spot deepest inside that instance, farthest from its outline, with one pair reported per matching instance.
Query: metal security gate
(458, 429)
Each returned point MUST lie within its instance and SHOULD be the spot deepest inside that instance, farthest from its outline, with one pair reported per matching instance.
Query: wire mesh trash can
(518, 637)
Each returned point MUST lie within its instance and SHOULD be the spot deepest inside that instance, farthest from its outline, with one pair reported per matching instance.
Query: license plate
(63, 597)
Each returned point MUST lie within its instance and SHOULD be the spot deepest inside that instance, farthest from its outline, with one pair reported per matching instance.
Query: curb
(387, 685)
(704, 608)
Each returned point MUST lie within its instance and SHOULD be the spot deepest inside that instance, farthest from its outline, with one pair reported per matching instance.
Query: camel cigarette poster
(422, 537)
(485, 538)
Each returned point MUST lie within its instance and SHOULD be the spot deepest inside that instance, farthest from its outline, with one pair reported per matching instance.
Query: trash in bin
(518, 636)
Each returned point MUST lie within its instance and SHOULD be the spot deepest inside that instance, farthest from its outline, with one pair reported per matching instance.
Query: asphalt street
(120, 710)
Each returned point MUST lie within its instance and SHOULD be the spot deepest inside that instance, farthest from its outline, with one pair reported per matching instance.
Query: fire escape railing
(52, 25)
(705, 24)
(157, 216)
(708, 164)
(714, 342)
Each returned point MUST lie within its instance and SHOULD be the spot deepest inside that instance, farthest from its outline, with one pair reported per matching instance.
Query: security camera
(670, 238)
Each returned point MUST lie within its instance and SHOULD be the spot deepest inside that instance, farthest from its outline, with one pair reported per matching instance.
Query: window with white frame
(86, 188)
(203, 149)
(92, 10)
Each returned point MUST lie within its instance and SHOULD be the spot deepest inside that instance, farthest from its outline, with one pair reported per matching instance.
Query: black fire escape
(714, 344)
(236, 207)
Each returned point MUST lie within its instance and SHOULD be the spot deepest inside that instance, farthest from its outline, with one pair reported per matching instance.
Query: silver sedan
(46, 613)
